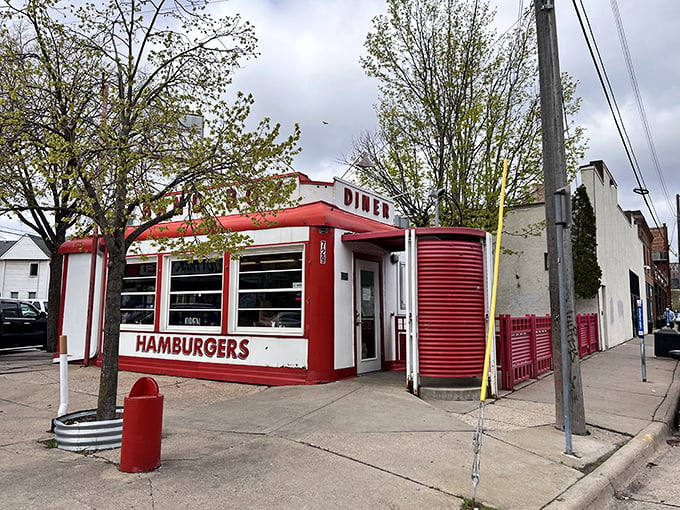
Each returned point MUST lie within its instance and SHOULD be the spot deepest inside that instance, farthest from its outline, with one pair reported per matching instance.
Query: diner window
(138, 297)
(195, 297)
(269, 290)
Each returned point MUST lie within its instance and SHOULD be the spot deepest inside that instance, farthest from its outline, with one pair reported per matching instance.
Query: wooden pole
(555, 180)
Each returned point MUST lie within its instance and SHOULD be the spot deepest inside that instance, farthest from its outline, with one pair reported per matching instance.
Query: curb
(598, 489)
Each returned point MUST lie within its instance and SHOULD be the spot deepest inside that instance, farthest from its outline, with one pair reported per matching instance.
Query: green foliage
(98, 104)
(587, 272)
(457, 99)
(468, 504)
(49, 443)
(99, 113)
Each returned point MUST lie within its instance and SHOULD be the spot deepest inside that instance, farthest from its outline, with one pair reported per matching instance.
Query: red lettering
(231, 200)
(210, 346)
(231, 348)
(186, 345)
(175, 204)
(146, 211)
(243, 347)
(356, 200)
(198, 346)
(365, 203)
(176, 345)
(163, 344)
(151, 345)
(386, 210)
(376, 207)
(141, 343)
(222, 348)
(348, 196)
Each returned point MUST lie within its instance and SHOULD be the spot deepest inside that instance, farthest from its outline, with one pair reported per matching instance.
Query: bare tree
(456, 100)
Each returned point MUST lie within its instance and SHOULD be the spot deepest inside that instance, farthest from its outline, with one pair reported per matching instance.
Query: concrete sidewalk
(360, 443)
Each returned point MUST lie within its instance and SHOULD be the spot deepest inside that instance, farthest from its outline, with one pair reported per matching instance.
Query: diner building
(329, 289)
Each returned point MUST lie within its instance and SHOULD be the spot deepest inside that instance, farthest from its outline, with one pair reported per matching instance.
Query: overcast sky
(308, 72)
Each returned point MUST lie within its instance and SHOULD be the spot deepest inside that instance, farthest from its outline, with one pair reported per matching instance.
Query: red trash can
(142, 427)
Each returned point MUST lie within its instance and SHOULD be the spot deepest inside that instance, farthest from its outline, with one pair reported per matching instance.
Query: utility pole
(557, 198)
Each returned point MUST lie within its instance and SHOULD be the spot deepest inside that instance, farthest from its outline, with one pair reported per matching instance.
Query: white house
(523, 282)
(24, 268)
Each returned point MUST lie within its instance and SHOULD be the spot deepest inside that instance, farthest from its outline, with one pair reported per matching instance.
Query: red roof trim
(319, 214)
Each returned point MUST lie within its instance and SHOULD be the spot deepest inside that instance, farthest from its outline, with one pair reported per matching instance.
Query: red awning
(316, 214)
(393, 240)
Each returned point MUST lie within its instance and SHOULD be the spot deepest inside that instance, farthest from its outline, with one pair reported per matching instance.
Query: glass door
(367, 315)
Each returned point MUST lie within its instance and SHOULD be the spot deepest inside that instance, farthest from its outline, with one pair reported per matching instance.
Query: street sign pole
(641, 334)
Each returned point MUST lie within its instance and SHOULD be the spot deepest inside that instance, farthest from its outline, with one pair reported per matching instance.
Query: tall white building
(523, 282)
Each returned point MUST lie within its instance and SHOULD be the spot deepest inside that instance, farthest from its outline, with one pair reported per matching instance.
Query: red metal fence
(524, 345)
(588, 338)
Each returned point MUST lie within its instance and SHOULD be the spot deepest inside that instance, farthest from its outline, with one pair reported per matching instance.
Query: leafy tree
(456, 99)
(587, 271)
(46, 101)
(161, 142)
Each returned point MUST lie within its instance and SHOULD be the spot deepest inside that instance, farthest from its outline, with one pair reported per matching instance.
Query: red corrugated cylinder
(451, 322)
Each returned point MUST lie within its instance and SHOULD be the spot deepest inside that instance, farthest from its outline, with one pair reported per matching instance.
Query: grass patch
(467, 505)
(49, 443)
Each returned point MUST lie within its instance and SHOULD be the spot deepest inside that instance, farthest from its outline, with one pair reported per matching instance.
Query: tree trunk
(54, 299)
(108, 382)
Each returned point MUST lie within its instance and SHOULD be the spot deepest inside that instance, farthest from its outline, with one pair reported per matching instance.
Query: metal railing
(524, 345)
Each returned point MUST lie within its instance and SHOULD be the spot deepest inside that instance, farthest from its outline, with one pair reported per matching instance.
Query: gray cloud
(309, 73)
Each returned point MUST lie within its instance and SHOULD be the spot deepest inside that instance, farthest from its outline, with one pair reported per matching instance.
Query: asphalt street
(657, 486)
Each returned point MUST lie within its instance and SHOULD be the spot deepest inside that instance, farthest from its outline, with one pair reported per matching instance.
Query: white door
(367, 316)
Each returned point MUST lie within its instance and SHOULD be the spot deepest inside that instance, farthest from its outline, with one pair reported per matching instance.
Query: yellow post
(492, 311)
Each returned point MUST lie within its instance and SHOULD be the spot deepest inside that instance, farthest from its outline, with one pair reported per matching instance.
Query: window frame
(165, 300)
(234, 293)
(401, 286)
(154, 310)
(33, 269)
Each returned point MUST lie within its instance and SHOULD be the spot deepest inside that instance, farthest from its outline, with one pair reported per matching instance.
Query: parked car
(40, 304)
(21, 324)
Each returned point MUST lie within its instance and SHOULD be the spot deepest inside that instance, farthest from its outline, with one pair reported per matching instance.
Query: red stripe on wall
(249, 374)
(319, 300)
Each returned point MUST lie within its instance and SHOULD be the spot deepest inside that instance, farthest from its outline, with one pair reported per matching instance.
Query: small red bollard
(142, 427)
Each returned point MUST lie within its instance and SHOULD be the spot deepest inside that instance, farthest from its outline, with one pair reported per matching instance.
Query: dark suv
(21, 324)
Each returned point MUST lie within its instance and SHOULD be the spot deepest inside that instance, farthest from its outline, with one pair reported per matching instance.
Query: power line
(639, 102)
(615, 111)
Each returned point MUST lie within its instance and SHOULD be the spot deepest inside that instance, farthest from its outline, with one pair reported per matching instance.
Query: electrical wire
(615, 111)
(639, 102)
